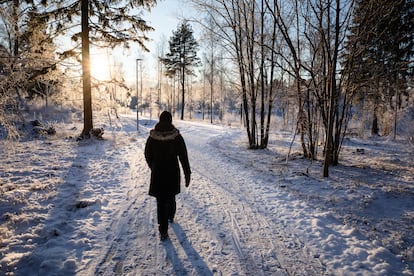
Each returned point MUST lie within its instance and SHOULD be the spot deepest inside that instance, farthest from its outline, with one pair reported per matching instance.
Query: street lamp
(137, 62)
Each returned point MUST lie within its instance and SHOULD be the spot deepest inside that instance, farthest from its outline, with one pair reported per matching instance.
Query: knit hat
(166, 117)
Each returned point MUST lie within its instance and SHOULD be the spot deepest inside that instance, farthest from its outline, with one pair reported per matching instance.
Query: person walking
(163, 148)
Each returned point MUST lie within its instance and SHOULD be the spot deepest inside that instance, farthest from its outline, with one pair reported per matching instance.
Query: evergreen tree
(38, 51)
(27, 60)
(380, 51)
(104, 23)
(182, 57)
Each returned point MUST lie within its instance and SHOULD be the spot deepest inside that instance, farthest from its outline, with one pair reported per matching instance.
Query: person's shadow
(196, 261)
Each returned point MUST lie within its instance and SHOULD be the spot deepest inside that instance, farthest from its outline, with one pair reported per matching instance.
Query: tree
(210, 60)
(38, 50)
(247, 33)
(287, 19)
(27, 60)
(327, 26)
(319, 29)
(233, 22)
(103, 23)
(182, 57)
(383, 33)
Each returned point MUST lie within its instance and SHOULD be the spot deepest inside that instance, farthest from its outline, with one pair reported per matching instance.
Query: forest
(327, 68)
(297, 116)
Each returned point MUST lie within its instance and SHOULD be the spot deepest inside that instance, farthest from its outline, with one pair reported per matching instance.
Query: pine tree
(380, 49)
(182, 57)
(104, 23)
(27, 60)
(38, 51)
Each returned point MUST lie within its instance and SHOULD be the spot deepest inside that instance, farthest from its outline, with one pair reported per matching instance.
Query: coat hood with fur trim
(164, 135)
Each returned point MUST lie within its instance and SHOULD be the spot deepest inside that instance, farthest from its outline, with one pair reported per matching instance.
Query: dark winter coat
(164, 147)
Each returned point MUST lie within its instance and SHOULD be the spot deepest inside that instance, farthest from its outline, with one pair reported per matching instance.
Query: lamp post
(137, 62)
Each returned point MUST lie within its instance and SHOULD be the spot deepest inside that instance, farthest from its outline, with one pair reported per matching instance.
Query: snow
(82, 208)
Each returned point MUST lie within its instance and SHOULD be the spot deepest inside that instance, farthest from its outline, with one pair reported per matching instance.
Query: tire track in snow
(133, 246)
(121, 220)
(235, 191)
(128, 215)
(132, 242)
(239, 251)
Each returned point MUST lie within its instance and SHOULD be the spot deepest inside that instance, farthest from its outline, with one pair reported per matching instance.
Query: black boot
(163, 232)
(163, 237)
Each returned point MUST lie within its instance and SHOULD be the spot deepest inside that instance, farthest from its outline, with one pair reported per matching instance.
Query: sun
(100, 68)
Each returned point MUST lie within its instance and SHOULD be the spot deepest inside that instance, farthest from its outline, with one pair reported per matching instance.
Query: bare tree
(211, 61)
(328, 25)
(287, 19)
(241, 28)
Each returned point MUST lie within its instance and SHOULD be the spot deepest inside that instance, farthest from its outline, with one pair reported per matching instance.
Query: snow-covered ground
(82, 208)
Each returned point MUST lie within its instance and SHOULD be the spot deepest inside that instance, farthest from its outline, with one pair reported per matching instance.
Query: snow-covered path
(82, 208)
(223, 225)
(248, 234)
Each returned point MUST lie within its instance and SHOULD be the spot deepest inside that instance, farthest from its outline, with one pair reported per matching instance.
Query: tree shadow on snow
(60, 246)
(198, 264)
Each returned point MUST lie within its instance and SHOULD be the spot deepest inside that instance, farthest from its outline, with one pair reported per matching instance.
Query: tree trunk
(86, 73)
(251, 74)
(310, 125)
(16, 29)
(262, 79)
(333, 96)
(375, 129)
(182, 92)
(211, 85)
(329, 130)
